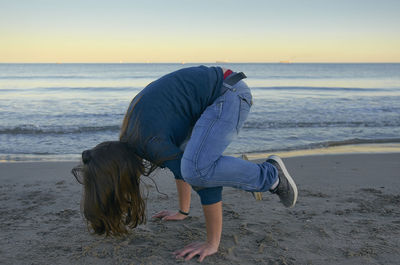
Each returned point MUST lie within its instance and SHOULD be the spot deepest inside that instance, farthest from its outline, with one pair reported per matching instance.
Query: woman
(183, 121)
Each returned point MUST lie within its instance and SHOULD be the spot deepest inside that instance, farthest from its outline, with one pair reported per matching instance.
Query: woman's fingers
(160, 214)
(169, 218)
(174, 217)
(182, 252)
(203, 255)
(196, 248)
(193, 253)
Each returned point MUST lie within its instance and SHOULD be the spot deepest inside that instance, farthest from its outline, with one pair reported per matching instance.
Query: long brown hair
(112, 200)
(110, 174)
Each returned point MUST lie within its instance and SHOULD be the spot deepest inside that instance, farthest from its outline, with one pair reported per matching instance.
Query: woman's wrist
(184, 192)
(183, 213)
(213, 243)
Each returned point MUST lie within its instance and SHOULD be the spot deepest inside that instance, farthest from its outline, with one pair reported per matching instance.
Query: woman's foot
(286, 188)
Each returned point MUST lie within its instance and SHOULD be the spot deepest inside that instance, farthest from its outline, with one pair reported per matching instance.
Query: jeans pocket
(245, 104)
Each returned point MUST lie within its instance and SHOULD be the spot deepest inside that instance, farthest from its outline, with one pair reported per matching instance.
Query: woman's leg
(203, 163)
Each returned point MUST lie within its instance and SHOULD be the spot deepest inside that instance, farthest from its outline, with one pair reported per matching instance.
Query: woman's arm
(184, 195)
(213, 216)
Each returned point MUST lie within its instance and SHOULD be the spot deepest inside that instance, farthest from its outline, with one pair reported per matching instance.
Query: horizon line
(215, 62)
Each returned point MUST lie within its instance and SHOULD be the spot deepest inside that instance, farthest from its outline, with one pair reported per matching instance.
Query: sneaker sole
(287, 175)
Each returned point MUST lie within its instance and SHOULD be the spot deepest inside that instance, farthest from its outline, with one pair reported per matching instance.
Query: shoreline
(358, 148)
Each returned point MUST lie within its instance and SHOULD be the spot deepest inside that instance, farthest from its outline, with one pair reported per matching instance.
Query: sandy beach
(348, 212)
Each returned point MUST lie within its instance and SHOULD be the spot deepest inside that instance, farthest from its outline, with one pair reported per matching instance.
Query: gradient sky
(199, 31)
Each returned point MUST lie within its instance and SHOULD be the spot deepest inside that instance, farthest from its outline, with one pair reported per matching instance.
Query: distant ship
(222, 61)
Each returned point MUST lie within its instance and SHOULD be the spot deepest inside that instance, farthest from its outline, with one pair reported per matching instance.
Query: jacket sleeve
(175, 166)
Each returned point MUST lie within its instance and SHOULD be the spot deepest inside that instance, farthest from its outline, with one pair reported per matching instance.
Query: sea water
(55, 111)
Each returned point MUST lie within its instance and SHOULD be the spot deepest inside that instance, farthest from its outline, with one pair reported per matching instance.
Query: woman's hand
(203, 249)
(169, 216)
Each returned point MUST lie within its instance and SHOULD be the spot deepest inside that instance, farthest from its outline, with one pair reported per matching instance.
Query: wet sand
(348, 212)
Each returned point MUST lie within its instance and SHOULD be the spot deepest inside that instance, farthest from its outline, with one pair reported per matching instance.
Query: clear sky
(199, 30)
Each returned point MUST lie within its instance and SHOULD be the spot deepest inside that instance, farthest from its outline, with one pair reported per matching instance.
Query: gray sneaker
(286, 189)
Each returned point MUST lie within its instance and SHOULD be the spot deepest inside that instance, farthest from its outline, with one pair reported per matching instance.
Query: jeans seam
(196, 160)
(239, 114)
(242, 105)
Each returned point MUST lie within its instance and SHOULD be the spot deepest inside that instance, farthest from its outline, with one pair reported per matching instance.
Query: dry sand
(348, 212)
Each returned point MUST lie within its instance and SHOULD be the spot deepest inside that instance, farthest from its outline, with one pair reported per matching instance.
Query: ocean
(55, 111)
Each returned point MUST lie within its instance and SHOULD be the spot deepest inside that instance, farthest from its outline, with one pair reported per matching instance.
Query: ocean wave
(298, 77)
(48, 77)
(39, 157)
(71, 89)
(91, 77)
(326, 144)
(249, 125)
(133, 88)
(358, 141)
(351, 141)
(25, 156)
(314, 88)
(322, 124)
(37, 130)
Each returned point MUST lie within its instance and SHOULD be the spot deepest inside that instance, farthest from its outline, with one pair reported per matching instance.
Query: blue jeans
(203, 164)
